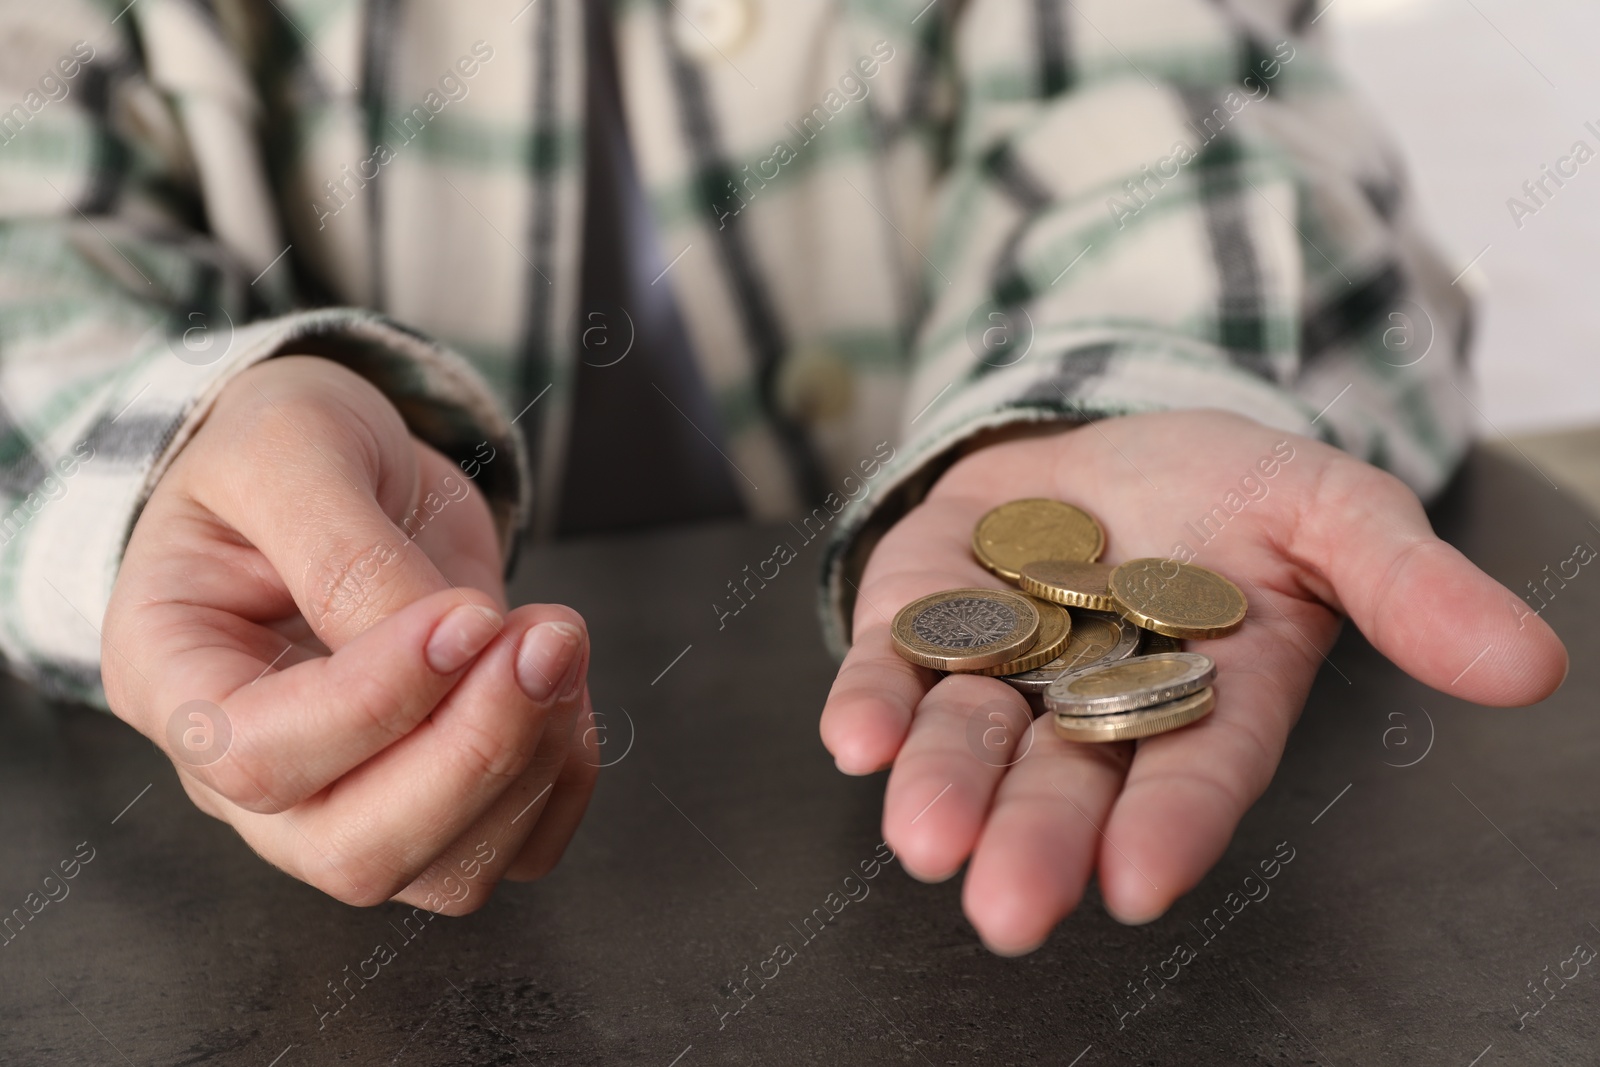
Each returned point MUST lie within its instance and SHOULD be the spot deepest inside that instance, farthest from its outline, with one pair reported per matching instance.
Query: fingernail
(461, 635)
(548, 659)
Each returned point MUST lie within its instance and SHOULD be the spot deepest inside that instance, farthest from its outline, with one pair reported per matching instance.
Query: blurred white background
(1480, 94)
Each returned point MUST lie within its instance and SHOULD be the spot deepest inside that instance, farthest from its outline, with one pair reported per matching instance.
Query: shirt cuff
(59, 564)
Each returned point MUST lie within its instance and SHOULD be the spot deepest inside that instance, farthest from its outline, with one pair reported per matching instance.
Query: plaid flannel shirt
(896, 223)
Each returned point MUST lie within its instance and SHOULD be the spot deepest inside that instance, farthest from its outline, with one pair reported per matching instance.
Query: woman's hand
(1323, 536)
(310, 620)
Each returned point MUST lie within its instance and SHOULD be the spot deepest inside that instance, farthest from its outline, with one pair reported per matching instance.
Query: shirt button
(708, 29)
(815, 386)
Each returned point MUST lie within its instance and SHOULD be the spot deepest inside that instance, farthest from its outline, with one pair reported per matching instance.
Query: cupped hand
(310, 621)
(1320, 537)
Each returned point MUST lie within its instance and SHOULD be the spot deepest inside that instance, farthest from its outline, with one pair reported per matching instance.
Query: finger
(292, 731)
(1187, 790)
(379, 827)
(870, 706)
(316, 484)
(564, 809)
(1039, 844)
(967, 732)
(563, 812)
(1420, 601)
(462, 877)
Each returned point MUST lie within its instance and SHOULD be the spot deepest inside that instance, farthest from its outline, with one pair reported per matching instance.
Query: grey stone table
(1421, 905)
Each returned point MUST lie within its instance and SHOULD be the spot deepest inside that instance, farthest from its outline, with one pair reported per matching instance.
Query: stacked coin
(1098, 645)
(1138, 697)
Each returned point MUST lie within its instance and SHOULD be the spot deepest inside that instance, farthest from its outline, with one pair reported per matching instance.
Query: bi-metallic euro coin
(965, 629)
(1144, 722)
(1136, 682)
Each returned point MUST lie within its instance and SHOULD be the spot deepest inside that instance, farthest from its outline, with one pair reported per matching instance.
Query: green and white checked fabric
(1156, 203)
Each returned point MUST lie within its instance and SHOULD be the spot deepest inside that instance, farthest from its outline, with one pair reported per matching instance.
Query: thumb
(314, 462)
(1420, 601)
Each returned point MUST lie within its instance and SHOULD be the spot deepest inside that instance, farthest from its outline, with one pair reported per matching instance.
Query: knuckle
(261, 429)
(353, 875)
(368, 895)
(373, 700)
(453, 896)
(237, 780)
(345, 578)
(487, 755)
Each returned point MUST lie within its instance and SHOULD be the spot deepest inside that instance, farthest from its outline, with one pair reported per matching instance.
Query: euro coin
(1055, 628)
(965, 629)
(1177, 599)
(1023, 531)
(1070, 582)
(1097, 637)
(1145, 722)
(1136, 682)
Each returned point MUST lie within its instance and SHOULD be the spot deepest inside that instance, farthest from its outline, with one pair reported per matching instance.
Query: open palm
(1324, 536)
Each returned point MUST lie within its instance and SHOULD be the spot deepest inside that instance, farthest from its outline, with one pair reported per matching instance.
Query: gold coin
(1177, 599)
(1139, 682)
(1055, 627)
(1070, 582)
(1022, 531)
(965, 629)
(1146, 722)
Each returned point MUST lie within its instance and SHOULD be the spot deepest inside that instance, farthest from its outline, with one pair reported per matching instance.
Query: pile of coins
(1097, 645)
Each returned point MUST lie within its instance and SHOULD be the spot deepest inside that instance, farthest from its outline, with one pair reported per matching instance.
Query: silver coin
(1136, 682)
(1097, 637)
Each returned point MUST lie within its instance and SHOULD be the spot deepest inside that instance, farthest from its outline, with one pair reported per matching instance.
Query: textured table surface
(1420, 902)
